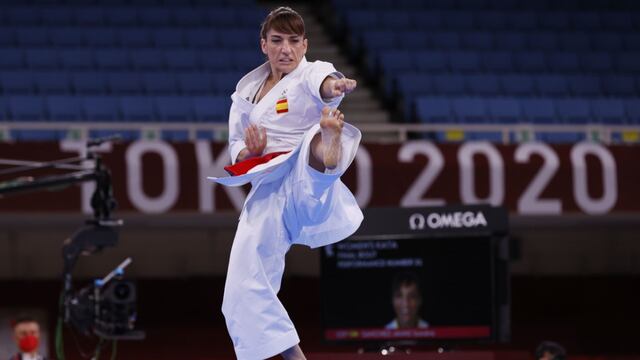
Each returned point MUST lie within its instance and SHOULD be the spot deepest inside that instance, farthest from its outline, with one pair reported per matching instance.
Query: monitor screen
(422, 288)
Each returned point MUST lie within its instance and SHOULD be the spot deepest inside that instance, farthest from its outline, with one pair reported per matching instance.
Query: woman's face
(284, 51)
(406, 303)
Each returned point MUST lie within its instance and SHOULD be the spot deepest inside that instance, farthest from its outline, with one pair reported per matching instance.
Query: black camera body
(107, 311)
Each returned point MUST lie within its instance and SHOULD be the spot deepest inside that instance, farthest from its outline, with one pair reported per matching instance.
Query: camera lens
(122, 291)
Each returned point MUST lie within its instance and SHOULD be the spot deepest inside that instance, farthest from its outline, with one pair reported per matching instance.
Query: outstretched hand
(336, 87)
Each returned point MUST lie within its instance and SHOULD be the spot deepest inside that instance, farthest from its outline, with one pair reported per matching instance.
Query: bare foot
(331, 124)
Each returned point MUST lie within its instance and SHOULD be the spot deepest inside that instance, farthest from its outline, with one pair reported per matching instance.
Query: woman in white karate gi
(286, 138)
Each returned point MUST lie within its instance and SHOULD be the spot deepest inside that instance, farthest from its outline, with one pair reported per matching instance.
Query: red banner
(529, 178)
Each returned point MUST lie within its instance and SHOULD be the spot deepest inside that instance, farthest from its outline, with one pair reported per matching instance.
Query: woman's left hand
(335, 87)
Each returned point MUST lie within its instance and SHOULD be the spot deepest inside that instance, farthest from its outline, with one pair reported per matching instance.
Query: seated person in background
(406, 298)
(549, 350)
(26, 334)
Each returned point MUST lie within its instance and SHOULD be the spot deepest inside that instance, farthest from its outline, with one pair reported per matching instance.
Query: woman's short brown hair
(283, 19)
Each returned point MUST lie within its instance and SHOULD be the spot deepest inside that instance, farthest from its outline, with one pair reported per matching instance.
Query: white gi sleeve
(315, 75)
(236, 129)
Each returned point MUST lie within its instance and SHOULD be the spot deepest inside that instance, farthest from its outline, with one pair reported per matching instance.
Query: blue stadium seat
(632, 42)
(194, 83)
(155, 16)
(181, 59)
(101, 108)
(4, 109)
(414, 39)
(89, 83)
(470, 110)
(64, 108)
(576, 42)
(381, 39)
(512, 41)
(395, 20)
(225, 83)
(32, 37)
(216, 60)
(52, 82)
(464, 62)
(609, 111)
(67, 37)
(168, 38)
(449, 84)
(446, 40)
(585, 85)
(491, 20)
(459, 20)
(239, 39)
(135, 37)
(147, 59)
(7, 37)
(159, 83)
(360, 19)
(558, 137)
(101, 37)
(125, 83)
(434, 110)
(629, 63)
(17, 83)
(137, 108)
(586, 21)
(174, 108)
(619, 85)
(248, 18)
(543, 41)
(617, 21)
(27, 108)
(517, 85)
(36, 135)
(556, 21)
(221, 17)
(633, 110)
(188, 17)
(523, 21)
(41, 59)
(201, 38)
(89, 16)
(481, 41)
(23, 16)
(607, 41)
(504, 110)
(596, 62)
(483, 85)
(426, 20)
(497, 61)
(431, 61)
(539, 111)
(111, 59)
(76, 59)
(552, 86)
(211, 108)
(396, 61)
(574, 111)
(246, 60)
(174, 135)
(563, 62)
(530, 61)
(57, 16)
(121, 16)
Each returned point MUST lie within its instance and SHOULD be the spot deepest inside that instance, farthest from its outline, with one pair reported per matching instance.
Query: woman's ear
(263, 46)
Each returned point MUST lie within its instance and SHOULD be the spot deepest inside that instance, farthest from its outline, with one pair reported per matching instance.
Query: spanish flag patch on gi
(282, 106)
